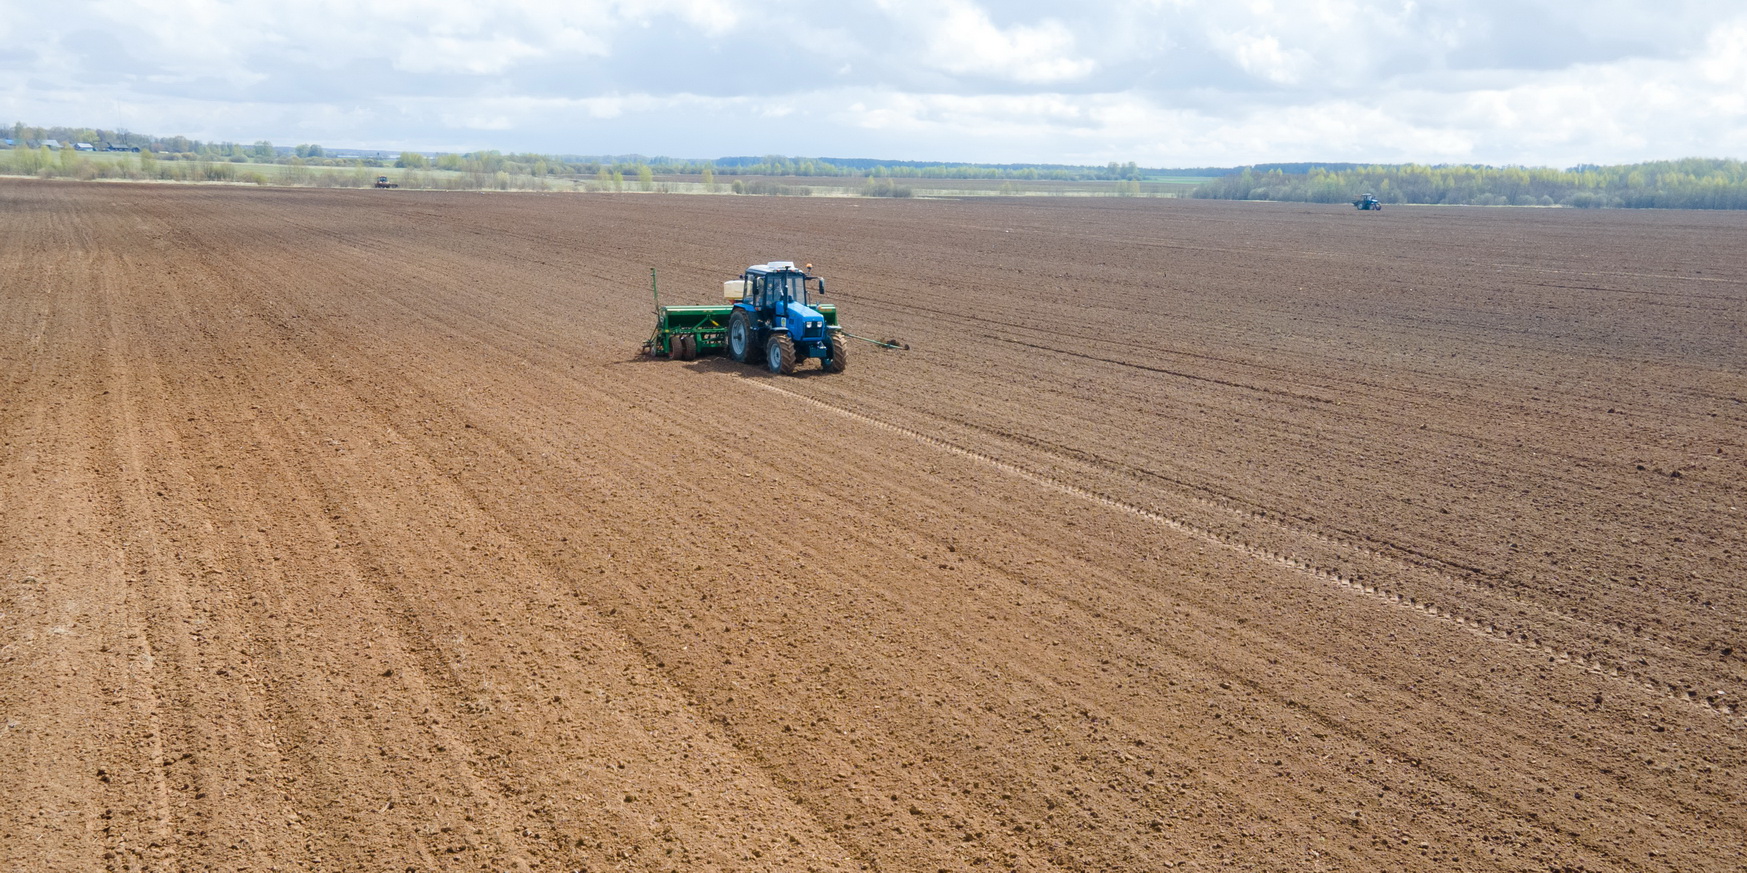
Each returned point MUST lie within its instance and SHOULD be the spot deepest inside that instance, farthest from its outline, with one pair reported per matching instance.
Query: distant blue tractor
(1368, 203)
(774, 319)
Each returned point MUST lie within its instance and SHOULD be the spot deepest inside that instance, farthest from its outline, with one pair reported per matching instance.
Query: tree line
(779, 165)
(489, 163)
(1690, 183)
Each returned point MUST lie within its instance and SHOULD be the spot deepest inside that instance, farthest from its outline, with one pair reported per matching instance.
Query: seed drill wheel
(684, 347)
(839, 357)
(779, 354)
(740, 336)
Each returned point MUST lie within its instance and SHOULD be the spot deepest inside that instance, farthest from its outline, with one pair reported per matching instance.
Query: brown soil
(345, 530)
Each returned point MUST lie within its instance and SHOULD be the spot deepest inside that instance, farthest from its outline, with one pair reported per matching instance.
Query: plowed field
(348, 531)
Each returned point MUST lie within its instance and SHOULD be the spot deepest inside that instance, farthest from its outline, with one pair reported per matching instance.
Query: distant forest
(1692, 183)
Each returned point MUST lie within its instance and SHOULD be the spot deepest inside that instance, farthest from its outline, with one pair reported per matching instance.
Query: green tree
(618, 181)
(412, 161)
(709, 180)
(29, 161)
(262, 150)
(645, 177)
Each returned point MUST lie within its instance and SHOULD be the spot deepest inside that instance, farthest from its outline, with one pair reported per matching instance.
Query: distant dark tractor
(382, 182)
(1368, 203)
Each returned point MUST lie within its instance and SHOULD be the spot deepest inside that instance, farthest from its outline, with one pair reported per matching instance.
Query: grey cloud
(103, 53)
(19, 59)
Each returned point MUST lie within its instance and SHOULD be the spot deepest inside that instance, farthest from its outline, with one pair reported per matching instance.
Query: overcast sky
(1165, 83)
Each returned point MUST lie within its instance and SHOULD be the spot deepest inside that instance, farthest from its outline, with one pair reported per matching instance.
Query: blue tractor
(1368, 203)
(774, 319)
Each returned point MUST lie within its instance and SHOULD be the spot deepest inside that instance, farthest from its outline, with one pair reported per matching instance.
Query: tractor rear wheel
(839, 357)
(740, 336)
(779, 354)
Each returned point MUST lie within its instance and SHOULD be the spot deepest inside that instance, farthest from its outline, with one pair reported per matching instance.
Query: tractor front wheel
(684, 346)
(740, 336)
(779, 354)
(839, 357)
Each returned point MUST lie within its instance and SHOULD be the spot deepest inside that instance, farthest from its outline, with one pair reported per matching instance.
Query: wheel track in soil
(904, 302)
(120, 446)
(1282, 697)
(1449, 570)
(185, 464)
(424, 645)
(1487, 629)
(1326, 381)
(335, 518)
(1403, 556)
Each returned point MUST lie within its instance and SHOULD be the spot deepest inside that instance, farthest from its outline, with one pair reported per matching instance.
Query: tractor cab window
(787, 286)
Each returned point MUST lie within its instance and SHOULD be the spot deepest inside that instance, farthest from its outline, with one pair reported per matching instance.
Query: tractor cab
(777, 284)
(779, 292)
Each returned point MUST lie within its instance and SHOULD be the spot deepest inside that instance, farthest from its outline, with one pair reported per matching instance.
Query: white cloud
(1262, 56)
(449, 54)
(1724, 61)
(714, 17)
(477, 122)
(961, 38)
(966, 41)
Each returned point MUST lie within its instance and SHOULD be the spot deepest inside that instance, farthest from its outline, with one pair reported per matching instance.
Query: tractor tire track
(1391, 596)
